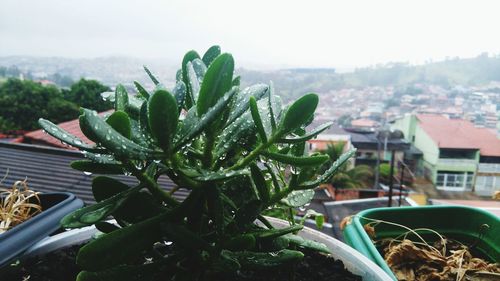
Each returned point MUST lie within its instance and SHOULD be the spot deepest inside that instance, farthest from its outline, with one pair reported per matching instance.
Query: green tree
(23, 102)
(87, 93)
(356, 177)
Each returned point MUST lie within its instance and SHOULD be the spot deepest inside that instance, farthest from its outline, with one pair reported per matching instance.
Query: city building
(457, 156)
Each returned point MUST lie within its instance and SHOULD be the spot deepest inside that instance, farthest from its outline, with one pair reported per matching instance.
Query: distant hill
(289, 83)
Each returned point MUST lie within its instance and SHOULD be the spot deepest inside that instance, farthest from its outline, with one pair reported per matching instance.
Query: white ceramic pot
(353, 261)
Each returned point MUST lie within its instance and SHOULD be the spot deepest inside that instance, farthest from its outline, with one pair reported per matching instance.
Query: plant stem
(252, 155)
(207, 151)
(153, 186)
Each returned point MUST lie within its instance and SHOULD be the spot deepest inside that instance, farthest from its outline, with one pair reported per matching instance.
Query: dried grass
(17, 204)
(443, 260)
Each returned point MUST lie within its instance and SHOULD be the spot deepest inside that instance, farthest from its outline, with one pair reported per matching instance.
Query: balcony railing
(488, 168)
(457, 162)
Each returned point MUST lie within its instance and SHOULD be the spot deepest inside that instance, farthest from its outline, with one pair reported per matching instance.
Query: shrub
(237, 152)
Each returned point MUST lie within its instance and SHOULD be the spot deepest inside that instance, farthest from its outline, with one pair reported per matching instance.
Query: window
(449, 180)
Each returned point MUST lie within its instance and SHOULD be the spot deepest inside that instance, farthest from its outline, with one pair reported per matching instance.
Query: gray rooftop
(47, 170)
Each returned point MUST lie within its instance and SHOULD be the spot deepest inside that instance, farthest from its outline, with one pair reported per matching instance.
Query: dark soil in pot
(60, 266)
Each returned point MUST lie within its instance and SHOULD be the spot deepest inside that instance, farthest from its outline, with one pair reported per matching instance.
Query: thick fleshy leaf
(193, 82)
(58, 133)
(121, 98)
(119, 246)
(96, 168)
(299, 198)
(241, 104)
(299, 112)
(276, 232)
(188, 57)
(199, 68)
(309, 135)
(260, 183)
(222, 175)
(218, 81)
(121, 273)
(237, 81)
(120, 121)
(211, 54)
(97, 212)
(134, 107)
(151, 76)
(307, 244)
(141, 90)
(111, 139)
(330, 172)
(299, 161)
(102, 158)
(264, 260)
(162, 116)
(180, 92)
(235, 135)
(106, 187)
(257, 119)
(196, 126)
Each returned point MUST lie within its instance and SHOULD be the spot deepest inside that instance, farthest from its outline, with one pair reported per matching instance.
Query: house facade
(457, 156)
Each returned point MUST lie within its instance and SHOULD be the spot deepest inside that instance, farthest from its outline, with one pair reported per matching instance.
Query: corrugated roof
(459, 134)
(48, 170)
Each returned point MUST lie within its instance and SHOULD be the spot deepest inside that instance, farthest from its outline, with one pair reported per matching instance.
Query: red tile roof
(460, 134)
(72, 127)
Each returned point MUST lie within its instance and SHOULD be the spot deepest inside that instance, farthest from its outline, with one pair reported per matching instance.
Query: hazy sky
(259, 33)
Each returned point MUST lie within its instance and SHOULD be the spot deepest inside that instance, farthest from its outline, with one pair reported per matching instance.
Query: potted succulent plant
(27, 217)
(238, 152)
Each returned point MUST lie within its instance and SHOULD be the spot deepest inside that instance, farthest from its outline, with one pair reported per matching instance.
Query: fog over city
(340, 34)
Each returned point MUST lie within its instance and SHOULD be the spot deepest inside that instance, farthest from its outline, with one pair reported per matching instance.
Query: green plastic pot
(465, 224)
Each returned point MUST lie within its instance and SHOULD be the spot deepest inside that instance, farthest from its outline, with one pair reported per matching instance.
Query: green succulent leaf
(260, 183)
(120, 121)
(314, 133)
(299, 161)
(91, 214)
(106, 187)
(257, 120)
(162, 116)
(199, 68)
(121, 98)
(120, 246)
(264, 260)
(237, 81)
(299, 198)
(307, 244)
(328, 173)
(58, 133)
(134, 107)
(111, 139)
(234, 135)
(188, 57)
(141, 90)
(211, 54)
(121, 273)
(193, 83)
(217, 82)
(195, 126)
(241, 103)
(222, 175)
(102, 159)
(299, 113)
(240, 242)
(276, 232)
(96, 168)
(151, 76)
(180, 92)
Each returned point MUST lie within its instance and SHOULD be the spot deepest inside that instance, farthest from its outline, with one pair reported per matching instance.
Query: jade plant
(238, 152)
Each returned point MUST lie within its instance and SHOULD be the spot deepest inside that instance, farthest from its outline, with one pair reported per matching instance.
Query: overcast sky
(302, 33)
